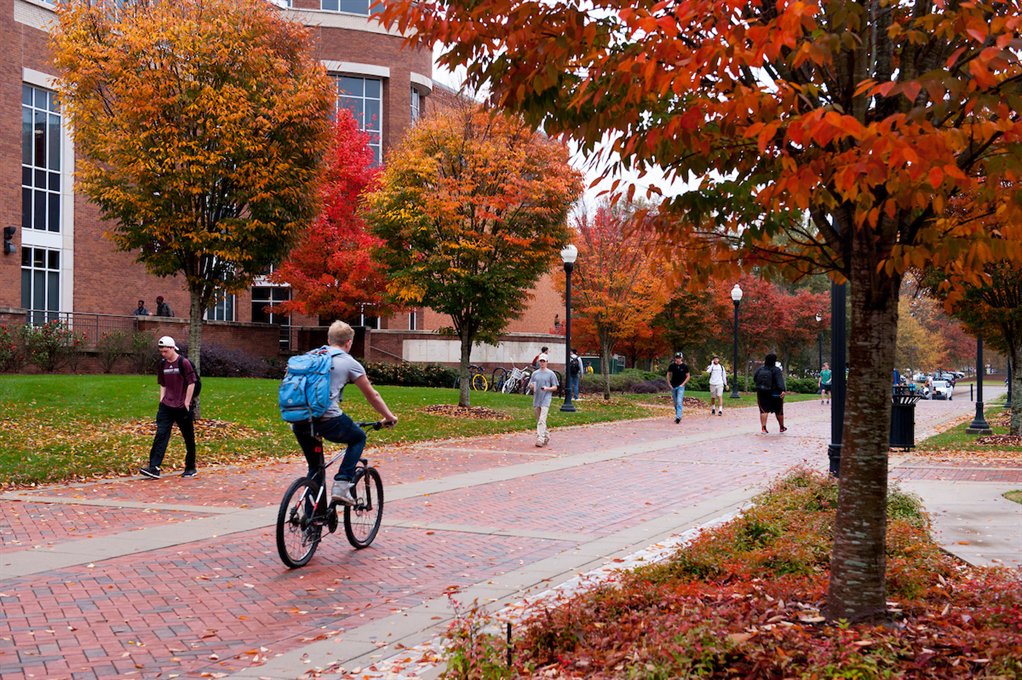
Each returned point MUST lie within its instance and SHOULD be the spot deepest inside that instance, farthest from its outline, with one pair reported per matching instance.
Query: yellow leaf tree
(472, 208)
(199, 127)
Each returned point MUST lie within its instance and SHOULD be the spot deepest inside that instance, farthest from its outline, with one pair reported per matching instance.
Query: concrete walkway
(180, 577)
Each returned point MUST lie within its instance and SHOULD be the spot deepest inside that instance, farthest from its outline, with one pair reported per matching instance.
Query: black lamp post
(837, 381)
(979, 423)
(736, 298)
(568, 256)
(1007, 401)
(819, 343)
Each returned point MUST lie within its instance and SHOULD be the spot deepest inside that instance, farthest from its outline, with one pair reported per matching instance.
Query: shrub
(113, 346)
(411, 375)
(630, 380)
(50, 345)
(12, 356)
(144, 354)
(224, 362)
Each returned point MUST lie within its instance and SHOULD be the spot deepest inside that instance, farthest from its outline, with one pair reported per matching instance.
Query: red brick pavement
(209, 606)
(29, 525)
(212, 605)
(958, 474)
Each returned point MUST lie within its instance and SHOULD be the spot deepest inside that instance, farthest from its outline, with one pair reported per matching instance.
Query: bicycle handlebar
(376, 425)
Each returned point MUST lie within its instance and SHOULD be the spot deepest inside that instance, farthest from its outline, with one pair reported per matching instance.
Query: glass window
(40, 284)
(412, 325)
(349, 6)
(364, 98)
(222, 309)
(416, 105)
(267, 296)
(41, 140)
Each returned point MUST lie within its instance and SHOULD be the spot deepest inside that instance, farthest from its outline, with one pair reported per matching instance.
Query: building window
(364, 98)
(222, 309)
(412, 325)
(416, 105)
(349, 6)
(40, 159)
(40, 284)
(268, 296)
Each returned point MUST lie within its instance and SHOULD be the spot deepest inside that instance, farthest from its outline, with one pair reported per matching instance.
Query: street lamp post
(736, 298)
(819, 343)
(568, 256)
(979, 424)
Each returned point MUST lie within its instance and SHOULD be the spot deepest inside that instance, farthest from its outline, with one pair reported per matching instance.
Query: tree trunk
(195, 313)
(465, 385)
(1015, 420)
(857, 591)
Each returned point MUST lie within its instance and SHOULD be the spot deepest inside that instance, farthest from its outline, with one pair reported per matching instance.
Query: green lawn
(58, 427)
(1015, 496)
(956, 439)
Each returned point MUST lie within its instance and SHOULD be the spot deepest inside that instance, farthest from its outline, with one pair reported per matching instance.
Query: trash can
(903, 419)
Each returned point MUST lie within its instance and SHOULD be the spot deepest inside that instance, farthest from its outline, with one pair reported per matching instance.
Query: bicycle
(306, 509)
(515, 380)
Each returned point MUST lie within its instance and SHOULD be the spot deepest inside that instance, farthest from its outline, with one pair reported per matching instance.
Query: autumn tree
(472, 210)
(992, 309)
(618, 284)
(198, 127)
(827, 137)
(332, 269)
(919, 347)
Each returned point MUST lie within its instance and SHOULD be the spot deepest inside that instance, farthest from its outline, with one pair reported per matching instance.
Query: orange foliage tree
(828, 136)
(199, 126)
(472, 210)
(332, 269)
(618, 285)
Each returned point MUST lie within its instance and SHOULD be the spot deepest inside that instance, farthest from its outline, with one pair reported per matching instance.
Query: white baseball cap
(167, 341)
(542, 357)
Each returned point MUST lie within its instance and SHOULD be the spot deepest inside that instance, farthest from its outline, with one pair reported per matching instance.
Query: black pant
(166, 417)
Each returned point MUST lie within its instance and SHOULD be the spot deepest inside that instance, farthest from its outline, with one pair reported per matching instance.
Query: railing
(91, 326)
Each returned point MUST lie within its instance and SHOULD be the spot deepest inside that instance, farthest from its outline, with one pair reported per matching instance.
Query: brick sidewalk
(494, 514)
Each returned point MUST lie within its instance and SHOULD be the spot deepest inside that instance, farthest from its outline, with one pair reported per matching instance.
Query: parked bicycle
(306, 510)
(516, 380)
(476, 379)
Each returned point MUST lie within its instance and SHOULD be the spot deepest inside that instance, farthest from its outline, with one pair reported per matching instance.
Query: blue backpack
(305, 390)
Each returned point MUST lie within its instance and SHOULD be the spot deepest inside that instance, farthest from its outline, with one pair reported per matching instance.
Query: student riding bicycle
(336, 426)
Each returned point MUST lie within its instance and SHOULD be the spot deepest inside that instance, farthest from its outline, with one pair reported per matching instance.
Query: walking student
(718, 383)
(176, 377)
(543, 383)
(574, 373)
(677, 376)
(335, 425)
(825, 383)
(769, 381)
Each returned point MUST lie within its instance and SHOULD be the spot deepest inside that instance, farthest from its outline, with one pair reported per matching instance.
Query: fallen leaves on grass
(205, 428)
(1000, 440)
(473, 412)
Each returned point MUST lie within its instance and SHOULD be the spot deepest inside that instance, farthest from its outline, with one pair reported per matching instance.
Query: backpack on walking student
(763, 379)
(576, 366)
(304, 392)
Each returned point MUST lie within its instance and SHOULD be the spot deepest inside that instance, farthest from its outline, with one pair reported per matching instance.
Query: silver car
(941, 389)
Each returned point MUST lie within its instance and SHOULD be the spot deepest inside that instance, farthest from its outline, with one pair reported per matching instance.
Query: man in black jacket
(769, 382)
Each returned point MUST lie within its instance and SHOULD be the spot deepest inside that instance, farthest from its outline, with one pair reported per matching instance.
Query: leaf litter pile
(472, 412)
(747, 600)
(205, 428)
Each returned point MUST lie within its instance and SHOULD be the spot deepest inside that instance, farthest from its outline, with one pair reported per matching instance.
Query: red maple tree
(331, 270)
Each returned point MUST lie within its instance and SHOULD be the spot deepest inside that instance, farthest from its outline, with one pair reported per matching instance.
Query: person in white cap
(176, 377)
(543, 383)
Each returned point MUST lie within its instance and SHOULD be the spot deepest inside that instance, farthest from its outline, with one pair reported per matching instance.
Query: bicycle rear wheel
(297, 535)
(498, 378)
(362, 520)
(479, 382)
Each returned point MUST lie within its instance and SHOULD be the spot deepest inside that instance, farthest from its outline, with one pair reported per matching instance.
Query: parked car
(941, 389)
(946, 375)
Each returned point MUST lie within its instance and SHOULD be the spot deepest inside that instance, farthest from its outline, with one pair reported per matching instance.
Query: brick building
(57, 262)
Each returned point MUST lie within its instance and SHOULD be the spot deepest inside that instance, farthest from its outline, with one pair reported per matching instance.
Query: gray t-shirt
(346, 370)
(544, 377)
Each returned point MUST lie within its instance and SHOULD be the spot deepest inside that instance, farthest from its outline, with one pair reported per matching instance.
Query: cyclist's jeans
(679, 399)
(340, 430)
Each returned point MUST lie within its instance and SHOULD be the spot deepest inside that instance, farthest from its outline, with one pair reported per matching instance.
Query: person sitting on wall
(141, 309)
(162, 308)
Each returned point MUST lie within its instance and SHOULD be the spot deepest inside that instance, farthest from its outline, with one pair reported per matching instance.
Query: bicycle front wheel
(297, 535)
(479, 382)
(362, 520)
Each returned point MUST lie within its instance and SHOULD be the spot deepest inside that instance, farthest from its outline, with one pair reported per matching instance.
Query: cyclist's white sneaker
(341, 492)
